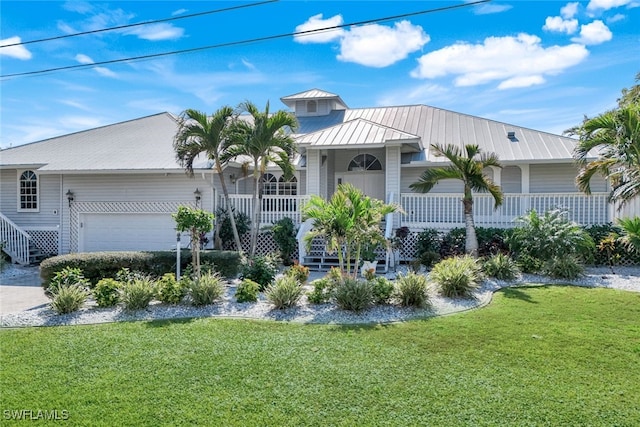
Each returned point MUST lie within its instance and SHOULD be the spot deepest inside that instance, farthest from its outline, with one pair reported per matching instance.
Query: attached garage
(126, 232)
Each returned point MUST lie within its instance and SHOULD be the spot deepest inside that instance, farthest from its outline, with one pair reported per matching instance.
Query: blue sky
(539, 64)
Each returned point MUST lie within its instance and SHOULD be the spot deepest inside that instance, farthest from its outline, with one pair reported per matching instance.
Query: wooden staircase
(18, 244)
(317, 259)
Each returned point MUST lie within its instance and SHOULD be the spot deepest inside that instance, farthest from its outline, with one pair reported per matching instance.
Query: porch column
(524, 178)
(497, 175)
(313, 172)
(392, 178)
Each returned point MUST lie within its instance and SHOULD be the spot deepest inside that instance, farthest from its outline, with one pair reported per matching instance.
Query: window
(28, 191)
(312, 107)
(288, 188)
(364, 162)
(269, 184)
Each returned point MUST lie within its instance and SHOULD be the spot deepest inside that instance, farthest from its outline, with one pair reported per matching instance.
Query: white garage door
(126, 232)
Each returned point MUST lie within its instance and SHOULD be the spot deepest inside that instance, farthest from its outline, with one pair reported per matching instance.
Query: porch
(445, 211)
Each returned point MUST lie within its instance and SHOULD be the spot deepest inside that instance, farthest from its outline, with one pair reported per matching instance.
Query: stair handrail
(15, 241)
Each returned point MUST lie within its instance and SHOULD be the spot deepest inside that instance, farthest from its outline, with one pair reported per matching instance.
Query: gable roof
(141, 144)
(357, 132)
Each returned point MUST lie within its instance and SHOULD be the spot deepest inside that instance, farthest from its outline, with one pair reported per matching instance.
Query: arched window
(365, 162)
(269, 184)
(28, 191)
(288, 187)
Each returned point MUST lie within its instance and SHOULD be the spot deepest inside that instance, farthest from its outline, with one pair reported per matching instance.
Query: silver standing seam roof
(146, 144)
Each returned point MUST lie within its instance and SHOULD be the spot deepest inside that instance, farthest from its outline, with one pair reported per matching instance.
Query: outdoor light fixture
(233, 178)
(70, 196)
(198, 196)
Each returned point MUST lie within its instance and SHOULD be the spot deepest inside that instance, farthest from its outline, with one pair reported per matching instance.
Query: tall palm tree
(199, 133)
(614, 137)
(466, 165)
(264, 139)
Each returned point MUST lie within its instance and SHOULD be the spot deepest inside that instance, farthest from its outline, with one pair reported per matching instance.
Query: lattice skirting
(45, 240)
(265, 245)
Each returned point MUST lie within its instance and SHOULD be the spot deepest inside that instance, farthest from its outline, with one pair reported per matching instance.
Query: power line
(120, 27)
(241, 42)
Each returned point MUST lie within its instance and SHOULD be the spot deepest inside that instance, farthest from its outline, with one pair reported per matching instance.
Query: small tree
(196, 222)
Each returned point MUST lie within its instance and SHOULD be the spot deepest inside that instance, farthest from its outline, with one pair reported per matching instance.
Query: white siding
(511, 179)
(48, 200)
(411, 175)
(553, 178)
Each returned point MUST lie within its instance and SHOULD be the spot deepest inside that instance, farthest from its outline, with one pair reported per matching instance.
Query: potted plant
(369, 258)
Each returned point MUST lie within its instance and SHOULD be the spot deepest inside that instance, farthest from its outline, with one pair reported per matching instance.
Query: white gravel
(625, 278)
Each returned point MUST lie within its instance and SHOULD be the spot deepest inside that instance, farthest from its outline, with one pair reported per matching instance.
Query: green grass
(536, 356)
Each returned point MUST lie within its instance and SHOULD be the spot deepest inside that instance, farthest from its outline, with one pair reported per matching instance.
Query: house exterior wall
(49, 205)
(511, 181)
(412, 174)
(559, 178)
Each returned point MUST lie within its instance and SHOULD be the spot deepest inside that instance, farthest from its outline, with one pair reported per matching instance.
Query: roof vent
(511, 135)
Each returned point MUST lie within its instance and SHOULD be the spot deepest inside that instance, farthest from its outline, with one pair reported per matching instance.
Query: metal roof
(357, 132)
(290, 100)
(141, 144)
(437, 126)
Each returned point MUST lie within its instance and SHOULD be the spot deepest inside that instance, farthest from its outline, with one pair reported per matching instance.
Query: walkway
(20, 290)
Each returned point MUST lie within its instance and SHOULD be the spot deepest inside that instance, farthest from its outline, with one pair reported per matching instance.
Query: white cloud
(18, 51)
(569, 10)
(380, 46)
(594, 33)
(155, 32)
(512, 61)
(316, 23)
(559, 25)
(82, 7)
(248, 64)
(615, 18)
(488, 9)
(80, 122)
(606, 4)
(179, 12)
(85, 59)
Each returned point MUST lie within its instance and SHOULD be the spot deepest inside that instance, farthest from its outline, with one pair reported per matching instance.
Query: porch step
(36, 256)
(325, 263)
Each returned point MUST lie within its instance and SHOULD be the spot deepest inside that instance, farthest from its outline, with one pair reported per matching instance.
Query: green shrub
(285, 292)
(68, 299)
(491, 240)
(453, 243)
(563, 267)
(609, 250)
(529, 264)
(550, 235)
(138, 293)
(382, 289)
(67, 277)
(284, 234)
(107, 292)
(299, 272)
(225, 232)
(260, 269)
(457, 276)
(206, 290)
(501, 266)
(247, 291)
(428, 259)
(170, 290)
(100, 265)
(428, 240)
(411, 290)
(322, 291)
(125, 275)
(354, 295)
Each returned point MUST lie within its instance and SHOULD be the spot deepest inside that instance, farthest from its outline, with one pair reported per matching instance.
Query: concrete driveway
(20, 289)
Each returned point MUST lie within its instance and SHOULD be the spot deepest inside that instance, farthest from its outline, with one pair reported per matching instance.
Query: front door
(371, 183)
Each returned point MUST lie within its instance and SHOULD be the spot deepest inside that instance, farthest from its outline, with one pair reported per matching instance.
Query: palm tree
(613, 138)
(347, 221)
(264, 139)
(466, 165)
(199, 133)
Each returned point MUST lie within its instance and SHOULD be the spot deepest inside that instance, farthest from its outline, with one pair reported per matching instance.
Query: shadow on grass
(518, 293)
(161, 323)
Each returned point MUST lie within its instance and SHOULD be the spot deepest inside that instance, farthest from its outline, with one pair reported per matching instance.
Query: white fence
(445, 211)
(274, 208)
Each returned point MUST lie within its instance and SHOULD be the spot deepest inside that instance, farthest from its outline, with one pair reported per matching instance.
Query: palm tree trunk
(227, 202)
(471, 242)
(255, 225)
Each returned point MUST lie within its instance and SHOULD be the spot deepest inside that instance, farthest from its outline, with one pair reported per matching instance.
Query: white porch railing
(274, 208)
(445, 211)
(15, 241)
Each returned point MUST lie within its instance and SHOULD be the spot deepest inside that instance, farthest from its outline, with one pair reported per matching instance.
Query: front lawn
(535, 356)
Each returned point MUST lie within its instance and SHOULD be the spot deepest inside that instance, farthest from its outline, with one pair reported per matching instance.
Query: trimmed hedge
(100, 265)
